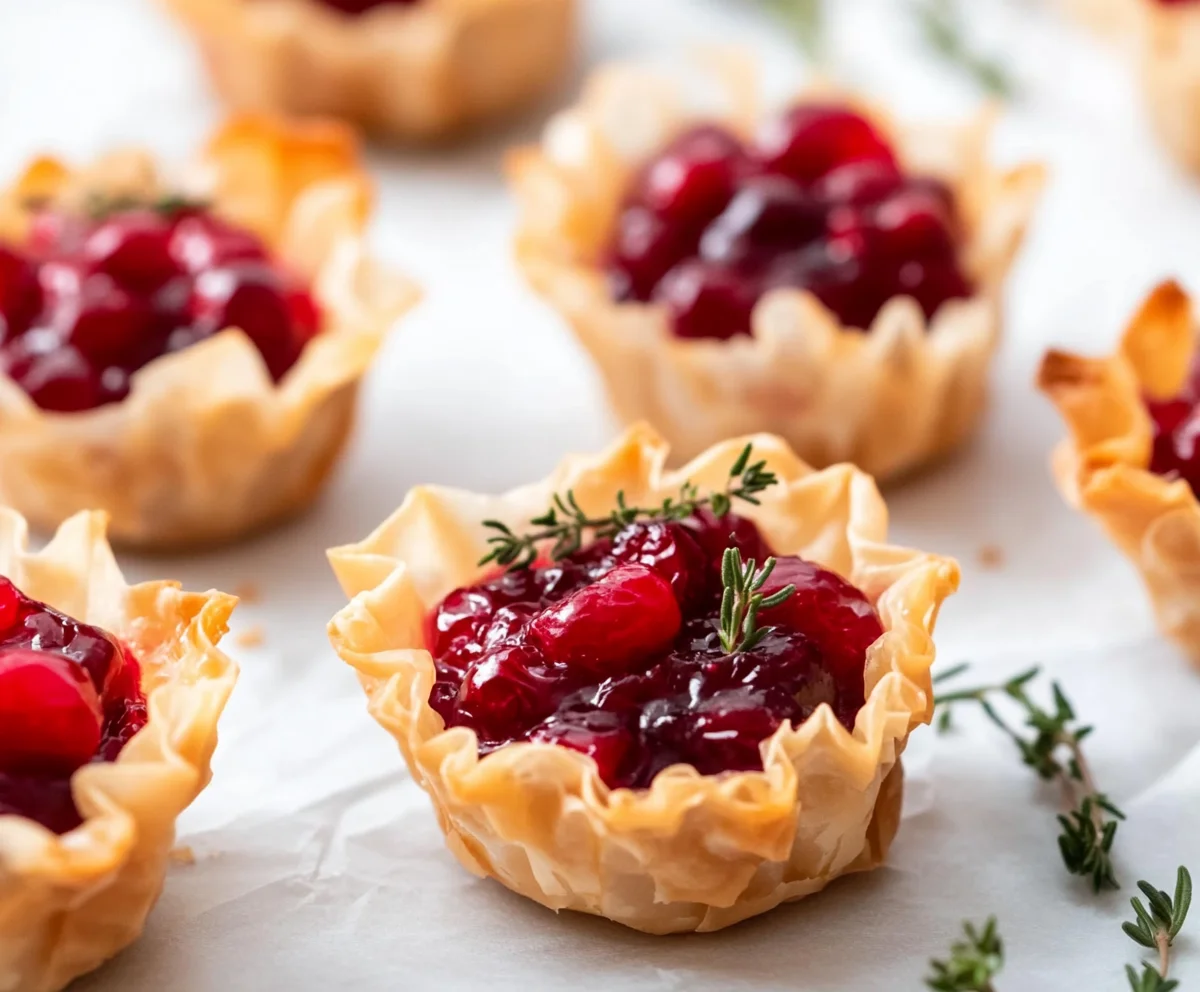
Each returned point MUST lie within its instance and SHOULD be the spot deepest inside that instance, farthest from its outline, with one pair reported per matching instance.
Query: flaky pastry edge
(206, 447)
(691, 852)
(889, 400)
(70, 902)
(421, 72)
(1103, 466)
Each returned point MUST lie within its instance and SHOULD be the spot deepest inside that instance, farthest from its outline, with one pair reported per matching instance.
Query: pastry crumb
(183, 855)
(248, 592)
(251, 637)
(991, 556)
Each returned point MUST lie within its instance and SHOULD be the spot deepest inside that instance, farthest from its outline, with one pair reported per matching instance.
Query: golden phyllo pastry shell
(692, 852)
(70, 902)
(888, 400)
(1103, 467)
(415, 72)
(206, 447)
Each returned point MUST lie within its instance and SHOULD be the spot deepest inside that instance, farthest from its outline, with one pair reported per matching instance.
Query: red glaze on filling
(85, 303)
(817, 201)
(70, 694)
(615, 652)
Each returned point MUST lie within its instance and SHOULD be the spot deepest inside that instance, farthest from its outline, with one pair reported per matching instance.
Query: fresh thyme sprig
(974, 961)
(806, 20)
(742, 598)
(100, 205)
(1156, 929)
(565, 523)
(1055, 753)
(941, 26)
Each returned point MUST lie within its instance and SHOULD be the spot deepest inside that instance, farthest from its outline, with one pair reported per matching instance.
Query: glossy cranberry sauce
(615, 652)
(817, 201)
(1176, 451)
(69, 694)
(87, 301)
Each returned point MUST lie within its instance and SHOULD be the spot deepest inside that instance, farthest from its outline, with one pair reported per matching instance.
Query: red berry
(826, 608)
(858, 183)
(706, 300)
(670, 551)
(104, 321)
(50, 714)
(692, 180)
(202, 241)
(809, 140)
(603, 737)
(913, 224)
(61, 380)
(507, 691)
(768, 215)
(253, 297)
(608, 627)
(644, 248)
(20, 295)
(132, 248)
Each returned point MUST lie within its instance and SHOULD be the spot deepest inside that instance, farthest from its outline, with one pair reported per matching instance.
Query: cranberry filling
(816, 202)
(85, 303)
(615, 652)
(69, 694)
(1176, 432)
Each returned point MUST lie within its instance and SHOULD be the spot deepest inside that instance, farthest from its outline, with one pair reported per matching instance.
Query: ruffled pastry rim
(304, 189)
(69, 902)
(1103, 466)
(431, 544)
(423, 72)
(921, 386)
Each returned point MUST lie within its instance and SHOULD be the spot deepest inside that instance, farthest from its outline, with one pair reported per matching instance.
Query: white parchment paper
(318, 863)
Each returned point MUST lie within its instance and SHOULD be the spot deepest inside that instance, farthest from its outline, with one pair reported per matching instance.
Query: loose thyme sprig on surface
(565, 522)
(742, 598)
(973, 962)
(941, 25)
(1055, 752)
(939, 21)
(1157, 929)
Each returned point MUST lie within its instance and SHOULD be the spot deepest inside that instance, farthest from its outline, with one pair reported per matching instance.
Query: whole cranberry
(132, 248)
(507, 691)
(50, 713)
(828, 610)
(914, 224)
(253, 297)
(104, 320)
(715, 534)
(61, 380)
(668, 549)
(604, 737)
(20, 294)
(644, 248)
(694, 177)
(202, 241)
(707, 300)
(768, 215)
(810, 139)
(607, 627)
(857, 184)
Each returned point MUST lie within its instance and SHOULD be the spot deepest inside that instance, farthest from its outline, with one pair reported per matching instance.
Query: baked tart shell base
(890, 400)
(691, 852)
(1103, 469)
(70, 902)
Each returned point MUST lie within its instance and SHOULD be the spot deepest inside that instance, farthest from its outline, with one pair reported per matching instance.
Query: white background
(319, 865)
